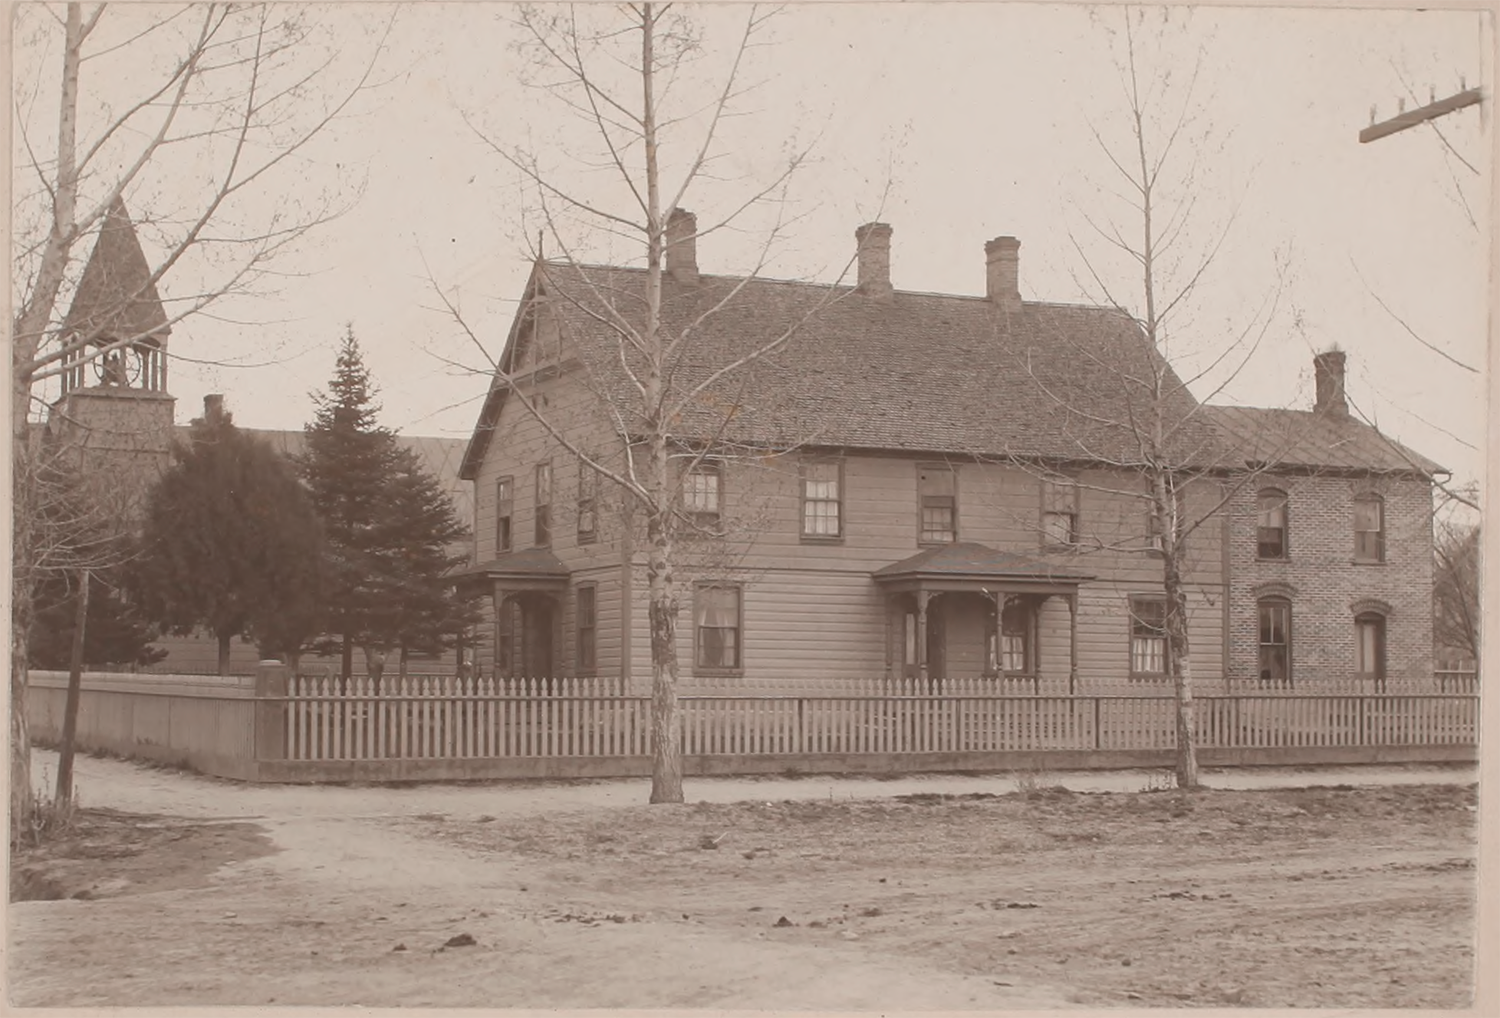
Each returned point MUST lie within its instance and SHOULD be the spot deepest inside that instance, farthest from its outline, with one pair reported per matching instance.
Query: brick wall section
(1327, 588)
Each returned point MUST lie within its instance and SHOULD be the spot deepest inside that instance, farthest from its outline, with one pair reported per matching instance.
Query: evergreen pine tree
(388, 528)
(230, 542)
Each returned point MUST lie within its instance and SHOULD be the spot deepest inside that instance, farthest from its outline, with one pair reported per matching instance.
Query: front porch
(966, 610)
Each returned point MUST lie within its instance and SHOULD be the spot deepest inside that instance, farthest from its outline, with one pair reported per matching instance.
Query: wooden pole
(1411, 118)
(64, 794)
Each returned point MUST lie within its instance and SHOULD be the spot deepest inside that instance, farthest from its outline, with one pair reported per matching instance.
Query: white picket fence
(450, 718)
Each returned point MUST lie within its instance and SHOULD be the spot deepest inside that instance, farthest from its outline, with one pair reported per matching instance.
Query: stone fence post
(270, 715)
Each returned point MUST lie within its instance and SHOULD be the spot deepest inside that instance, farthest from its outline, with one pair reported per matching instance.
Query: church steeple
(117, 301)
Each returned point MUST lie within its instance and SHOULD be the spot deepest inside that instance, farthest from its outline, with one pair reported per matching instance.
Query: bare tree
(194, 110)
(667, 384)
(1456, 622)
(1126, 411)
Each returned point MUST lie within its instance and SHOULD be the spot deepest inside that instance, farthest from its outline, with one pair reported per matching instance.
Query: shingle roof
(914, 372)
(1311, 440)
(970, 559)
(115, 297)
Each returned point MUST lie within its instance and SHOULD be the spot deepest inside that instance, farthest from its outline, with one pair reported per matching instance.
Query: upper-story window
(1369, 529)
(937, 503)
(1059, 512)
(702, 493)
(822, 499)
(543, 504)
(1270, 524)
(588, 502)
(504, 510)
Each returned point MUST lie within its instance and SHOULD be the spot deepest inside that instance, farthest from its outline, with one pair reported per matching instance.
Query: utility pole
(1411, 118)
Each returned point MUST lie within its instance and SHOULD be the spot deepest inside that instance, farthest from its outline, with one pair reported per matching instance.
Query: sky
(955, 123)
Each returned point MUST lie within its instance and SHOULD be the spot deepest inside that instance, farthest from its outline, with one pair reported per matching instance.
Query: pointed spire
(116, 297)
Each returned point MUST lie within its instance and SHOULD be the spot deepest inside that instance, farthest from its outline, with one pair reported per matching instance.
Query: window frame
(586, 636)
(588, 503)
(1378, 557)
(803, 480)
(711, 520)
(1156, 632)
(1262, 605)
(926, 500)
(505, 514)
(542, 510)
(996, 653)
(1376, 622)
(1060, 498)
(738, 667)
(1285, 553)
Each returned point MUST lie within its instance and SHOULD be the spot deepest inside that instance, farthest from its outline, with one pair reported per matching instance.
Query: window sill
(1367, 562)
(1276, 558)
(822, 538)
(590, 538)
(718, 673)
(927, 542)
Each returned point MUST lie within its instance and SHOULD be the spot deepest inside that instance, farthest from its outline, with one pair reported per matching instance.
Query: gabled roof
(116, 298)
(970, 560)
(915, 372)
(1311, 439)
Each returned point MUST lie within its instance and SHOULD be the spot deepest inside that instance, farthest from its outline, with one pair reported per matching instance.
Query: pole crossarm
(1411, 118)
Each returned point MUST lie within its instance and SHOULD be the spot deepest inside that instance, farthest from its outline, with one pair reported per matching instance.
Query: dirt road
(574, 895)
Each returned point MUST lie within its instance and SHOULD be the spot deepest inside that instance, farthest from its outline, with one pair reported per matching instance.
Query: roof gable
(1310, 439)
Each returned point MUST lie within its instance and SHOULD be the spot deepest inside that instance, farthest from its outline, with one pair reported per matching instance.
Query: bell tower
(114, 411)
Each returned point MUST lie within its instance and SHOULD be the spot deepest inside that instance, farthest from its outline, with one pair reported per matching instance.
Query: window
(1148, 636)
(822, 499)
(1270, 524)
(587, 626)
(1369, 648)
(543, 504)
(937, 504)
(1010, 648)
(588, 502)
(701, 492)
(1059, 513)
(504, 508)
(717, 616)
(1275, 642)
(1369, 529)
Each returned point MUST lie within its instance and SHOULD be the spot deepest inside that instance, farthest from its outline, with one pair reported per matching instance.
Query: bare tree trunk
(22, 798)
(666, 744)
(1180, 664)
(64, 795)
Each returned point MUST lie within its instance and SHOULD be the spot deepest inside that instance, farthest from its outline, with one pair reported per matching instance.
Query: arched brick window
(1275, 638)
(1270, 526)
(1369, 528)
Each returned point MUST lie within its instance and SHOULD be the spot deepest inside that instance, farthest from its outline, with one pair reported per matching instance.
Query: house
(115, 415)
(929, 485)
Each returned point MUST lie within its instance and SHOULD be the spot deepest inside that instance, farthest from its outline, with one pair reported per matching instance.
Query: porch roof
(534, 565)
(975, 562)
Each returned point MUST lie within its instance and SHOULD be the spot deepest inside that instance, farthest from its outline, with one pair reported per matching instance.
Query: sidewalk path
(128, 786)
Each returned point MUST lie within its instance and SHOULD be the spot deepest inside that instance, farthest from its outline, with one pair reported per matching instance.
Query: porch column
(923, 596)
(890, 634)
(1073, 644)
(1001, 599)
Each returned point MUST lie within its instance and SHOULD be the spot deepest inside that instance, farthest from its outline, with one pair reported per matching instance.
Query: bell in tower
(115, 414)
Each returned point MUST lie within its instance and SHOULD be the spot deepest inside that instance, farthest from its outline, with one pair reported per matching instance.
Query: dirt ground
(944, 893)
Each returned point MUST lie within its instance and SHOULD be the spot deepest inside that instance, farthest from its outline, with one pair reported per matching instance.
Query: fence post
(270, 710)
(1098, 729)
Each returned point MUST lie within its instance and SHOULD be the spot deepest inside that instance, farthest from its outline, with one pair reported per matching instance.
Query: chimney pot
(1002, 258)
(682, 246)
(873, 242)
(213, 406)
(1328, 377)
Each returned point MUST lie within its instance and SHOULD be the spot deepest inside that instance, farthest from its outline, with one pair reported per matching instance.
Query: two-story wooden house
(913, 484)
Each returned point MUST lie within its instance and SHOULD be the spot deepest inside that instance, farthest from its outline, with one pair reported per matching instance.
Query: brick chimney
(682, 246)
(1002, 272)
(1328, 374)
(213, 407)
(873, 242)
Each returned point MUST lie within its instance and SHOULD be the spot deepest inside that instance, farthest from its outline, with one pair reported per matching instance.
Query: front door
(536, 643)
(937, 650)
